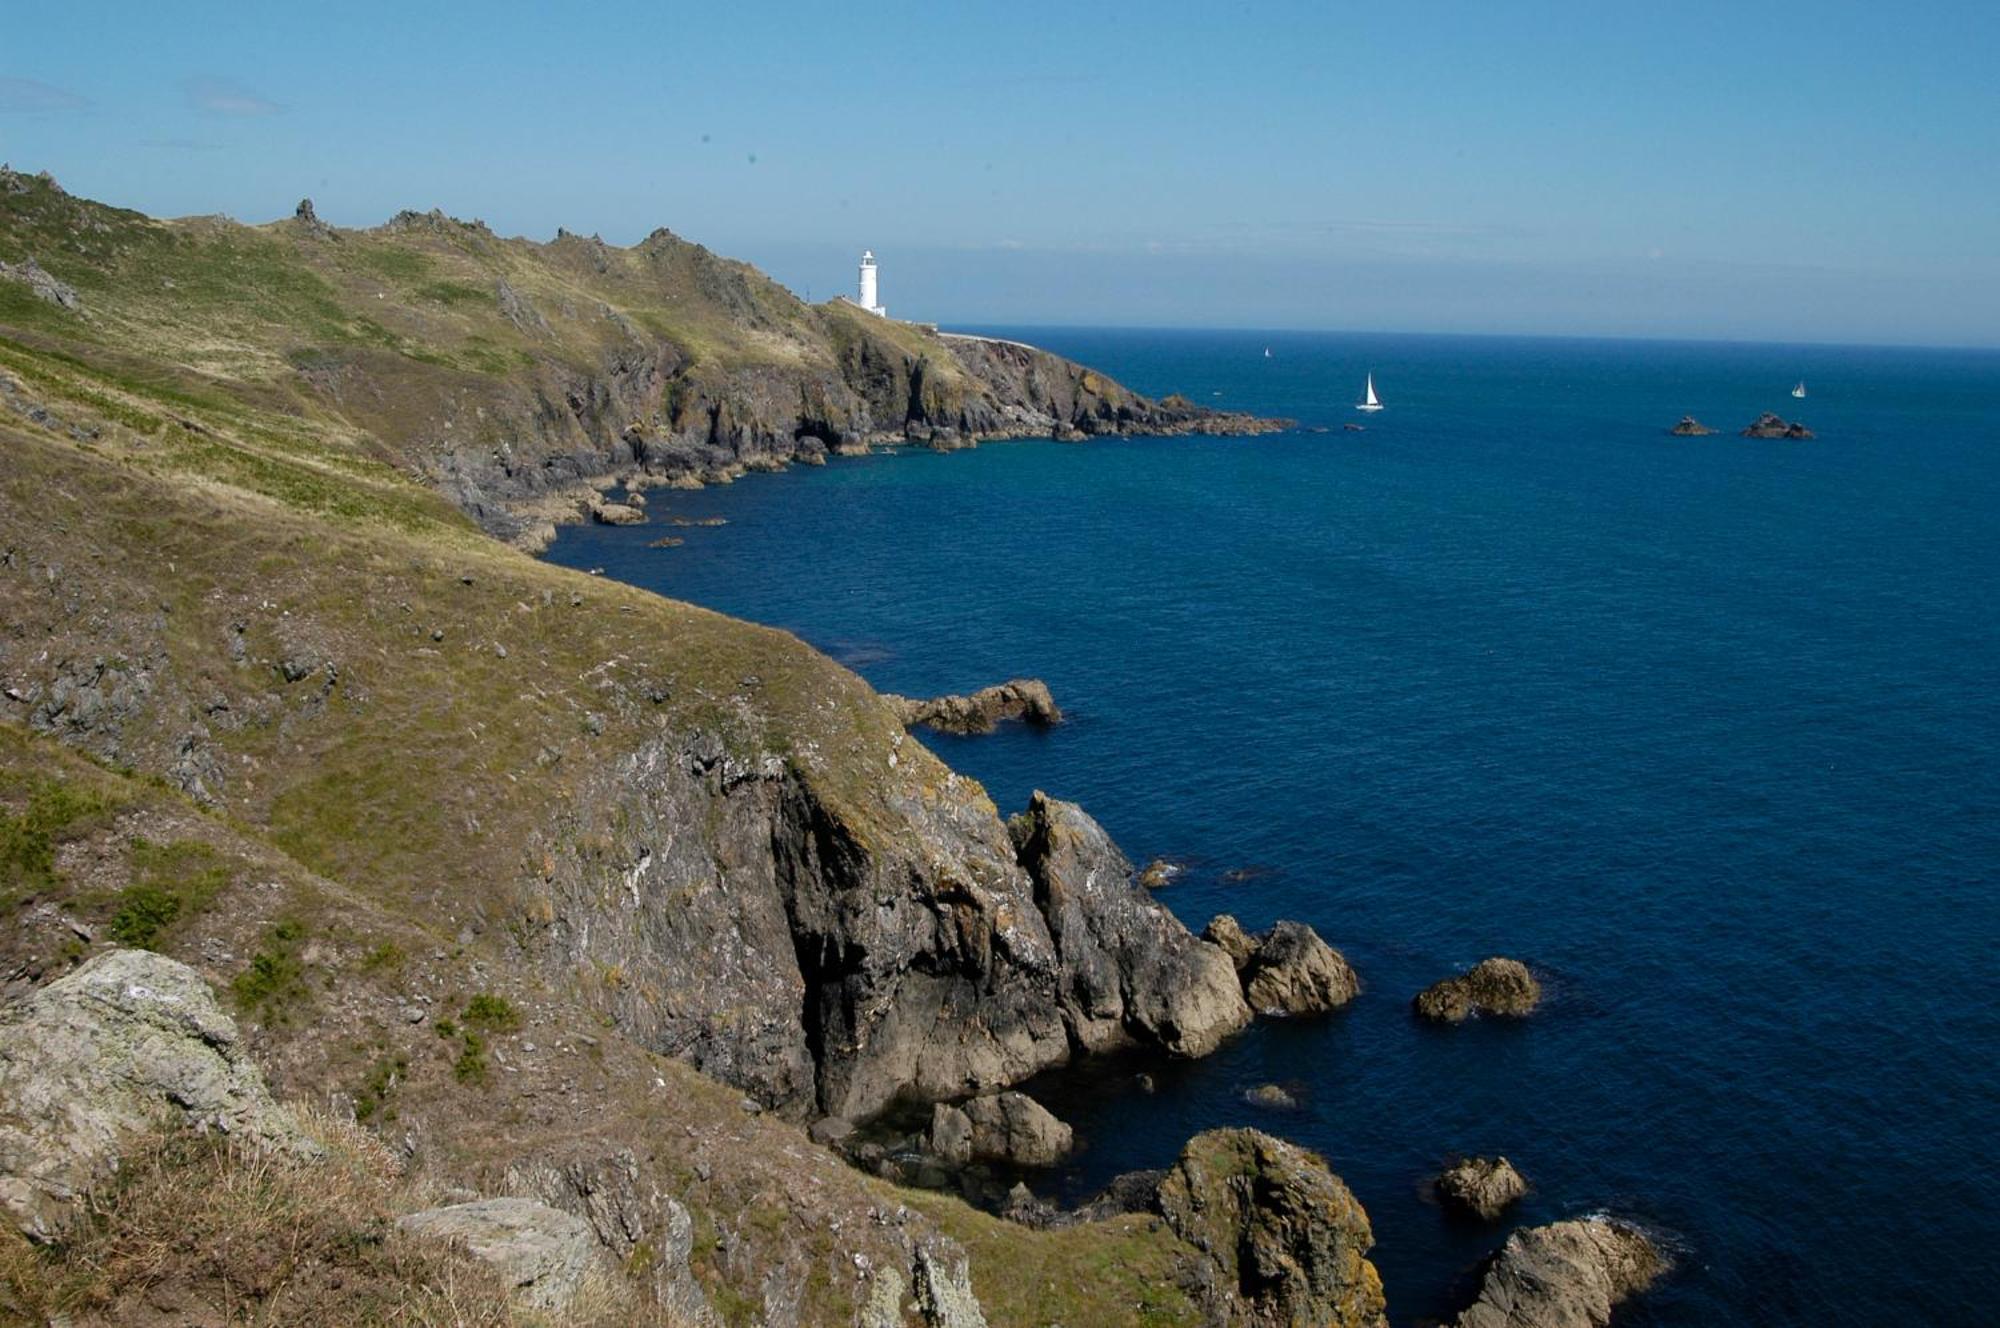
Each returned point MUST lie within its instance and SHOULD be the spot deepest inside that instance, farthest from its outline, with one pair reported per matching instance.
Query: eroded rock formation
(1492, 986)
(1480, 1186)
(1566, 1275)
(1286, 970)
(1026, 699)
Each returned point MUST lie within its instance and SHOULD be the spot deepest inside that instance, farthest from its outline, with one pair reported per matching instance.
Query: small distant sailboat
(1800, 390)
(1267, 352)
(1369, 401)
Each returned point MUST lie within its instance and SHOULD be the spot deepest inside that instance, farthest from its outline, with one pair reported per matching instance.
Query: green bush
(493, 1013)
(276, 979)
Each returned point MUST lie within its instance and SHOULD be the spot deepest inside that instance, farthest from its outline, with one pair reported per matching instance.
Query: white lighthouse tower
(867, 300)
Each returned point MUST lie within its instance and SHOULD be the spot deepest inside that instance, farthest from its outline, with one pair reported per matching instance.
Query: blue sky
(1774, 171)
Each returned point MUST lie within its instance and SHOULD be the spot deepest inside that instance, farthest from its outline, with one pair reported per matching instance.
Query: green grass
(170, 882)
(495, 1014)
(53, 812)
(275, 982)
(470, 1067)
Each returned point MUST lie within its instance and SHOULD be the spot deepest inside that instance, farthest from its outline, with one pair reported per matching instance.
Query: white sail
(1800, 390)
(1369, 401)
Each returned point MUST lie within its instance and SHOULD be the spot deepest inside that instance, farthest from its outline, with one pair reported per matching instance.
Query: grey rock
(1481, 1186)
(1130, 971)
(95, 1060)
(1293, 971)
(944, 1287)
(45, 287)
(830, 1130)
(1226, 932)
(1002, 1127)
(546, 1254)
(1565, 1275)
(518, 311)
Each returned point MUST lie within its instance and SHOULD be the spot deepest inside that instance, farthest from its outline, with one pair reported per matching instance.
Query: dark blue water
(1706, 729)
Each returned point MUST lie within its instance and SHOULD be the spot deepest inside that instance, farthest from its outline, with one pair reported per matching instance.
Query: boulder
(1026, 699)
(1001, 1127)
(547, 1255)
(1566, 1275)
(1272, 1097)
(1492, 986)
(1129, 971)
(32, 275)
(96, 1060)
(1293, 971)
(1159, 873)
(1286, 970)
(615, 514)
(1278, 1229)
(1690, 427)
(1480, 1186)
(1769, 425)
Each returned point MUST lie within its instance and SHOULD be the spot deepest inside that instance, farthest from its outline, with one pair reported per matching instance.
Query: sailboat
(1369, 400)
(1267, 352)
(1800, 390)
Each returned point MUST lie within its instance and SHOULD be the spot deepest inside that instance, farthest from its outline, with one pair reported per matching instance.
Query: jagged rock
(1492, 986)
(1129, 971)
(517, 309)
(1026, 699)
(1159, 873)
(1769, 425)
(1566, 1275)
(1481, 1186)
(944, 1287)
(548, 1255)
(31, 274)
(1279, 1230)
(99, 1058)
(309, 220)
(1000, 1127)
(1690, 427)
(1293, 971)
(1226, 932)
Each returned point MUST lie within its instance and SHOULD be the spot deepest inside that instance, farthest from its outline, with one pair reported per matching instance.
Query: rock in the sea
(1492, 986)
(94, 1061)
(1130, 971)
(546, 1254)
(1293, 971)
(1769, 425)
(1272, 1097)
(1566, 1275)
(1690, 427)
(1280, 1230)
(1026, 699)
(1481, 1186)
(1000, 1127)
(1159, 873)
(1286, 970)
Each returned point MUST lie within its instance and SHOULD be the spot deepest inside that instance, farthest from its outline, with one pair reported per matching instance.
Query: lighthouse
(867, 300)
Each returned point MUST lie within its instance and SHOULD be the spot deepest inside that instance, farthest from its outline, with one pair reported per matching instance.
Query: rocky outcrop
(1286, 970)
(45, 287)
(1566, 1275)
(1492, 986)
(615, 514)
(944, 1287)
(1690, 427)
(1010, 1128)
(1480, 1186)
(1769, 425)
(547, 1255)
(1271, 1097)
(1284, 1239)
(1128, 971)
(93, 1062)
(1026, 699)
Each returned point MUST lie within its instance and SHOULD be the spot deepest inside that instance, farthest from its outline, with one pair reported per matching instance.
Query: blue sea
(1706, 730)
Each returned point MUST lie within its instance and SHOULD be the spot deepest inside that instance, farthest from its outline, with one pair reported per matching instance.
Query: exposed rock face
(1282, 1231)
(1492, 986)
(1481, 1186)
(31, 274)
(1567, 1275)
(89, 1063)
(1129, 971)
(547, 1254)
(944, 1288)
(1769, 425)
(1690, 427)
(1019, 698)
(616, 514)
(1001, 1127)
(1286, 970)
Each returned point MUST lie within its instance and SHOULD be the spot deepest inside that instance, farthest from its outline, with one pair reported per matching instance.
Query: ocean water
(1706, 730)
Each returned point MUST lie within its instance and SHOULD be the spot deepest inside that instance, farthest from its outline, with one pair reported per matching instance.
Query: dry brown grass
(200, 1230)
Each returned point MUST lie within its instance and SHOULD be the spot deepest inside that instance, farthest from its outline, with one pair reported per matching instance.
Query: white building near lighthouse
(868, 289)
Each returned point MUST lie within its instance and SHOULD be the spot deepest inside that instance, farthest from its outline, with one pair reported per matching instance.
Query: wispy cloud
(31, 94)
(224, 96)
